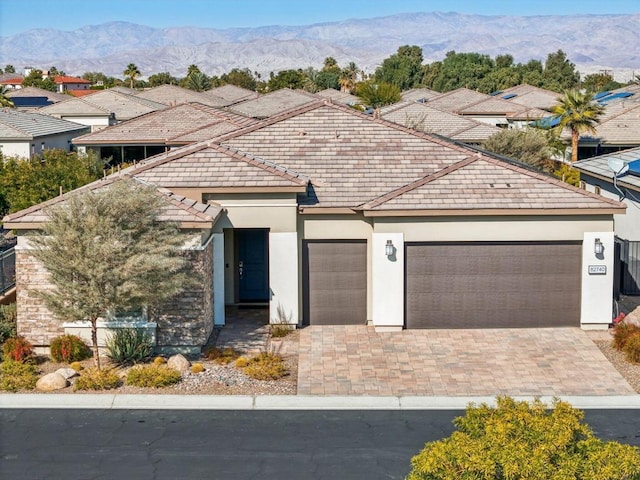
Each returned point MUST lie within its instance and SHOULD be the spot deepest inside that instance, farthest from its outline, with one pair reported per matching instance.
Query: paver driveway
(355, 360)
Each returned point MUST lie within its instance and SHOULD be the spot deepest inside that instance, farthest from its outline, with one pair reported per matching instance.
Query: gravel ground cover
(630, 371)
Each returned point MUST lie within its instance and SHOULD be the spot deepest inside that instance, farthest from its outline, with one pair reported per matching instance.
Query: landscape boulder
(179, 362)
(633, 318)
(67, 373)
(51, 381)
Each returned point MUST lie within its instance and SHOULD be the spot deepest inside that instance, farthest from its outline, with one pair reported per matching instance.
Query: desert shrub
(94, 379)
(18, 349)
(622, 332)
(197, 368)
(129, 345)
(77, 366)
(281, 327)
(242, 362)
(520, 440)
(159, 360)
(220, 356)
(152, 376)
(16, 376)
(8, 320)
(69, 348)
(265, 366)
(632, 348)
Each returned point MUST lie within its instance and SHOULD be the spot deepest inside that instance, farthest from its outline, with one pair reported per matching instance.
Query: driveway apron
(355, 360)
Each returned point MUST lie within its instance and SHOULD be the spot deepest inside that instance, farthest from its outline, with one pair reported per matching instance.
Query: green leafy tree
(376, 95)
(599, 82)
(131, 72)
(162, 78)
(402, 69)
(529, 145)
(34, 79)
(9, 69)
(578, 112)
(241, 78)
(5, 101)
(326, 79)
(294, 79)
(559, 73)
(27, 182)
(100, 79)
(522, 441)
(462, 70)
(105, 252)
(53, 71)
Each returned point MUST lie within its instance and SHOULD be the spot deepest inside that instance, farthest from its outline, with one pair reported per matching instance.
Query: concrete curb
(284, 402)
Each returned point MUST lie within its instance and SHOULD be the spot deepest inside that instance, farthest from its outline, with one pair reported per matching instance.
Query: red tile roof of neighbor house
(66, 79)
(82, 93)
(12, 81)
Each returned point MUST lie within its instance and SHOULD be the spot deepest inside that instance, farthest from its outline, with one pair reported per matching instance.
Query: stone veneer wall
(187, 320)
(35, 322)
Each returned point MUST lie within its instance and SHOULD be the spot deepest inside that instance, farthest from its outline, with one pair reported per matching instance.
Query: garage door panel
(510, 284)
(335, 290)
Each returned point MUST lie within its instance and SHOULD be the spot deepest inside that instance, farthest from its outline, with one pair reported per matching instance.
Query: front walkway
(355, 360)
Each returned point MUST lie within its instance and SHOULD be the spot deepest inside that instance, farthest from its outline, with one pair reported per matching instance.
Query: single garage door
(493, 285)
(335, 282)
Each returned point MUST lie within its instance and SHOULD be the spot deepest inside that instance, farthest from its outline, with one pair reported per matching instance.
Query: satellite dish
(619, 167)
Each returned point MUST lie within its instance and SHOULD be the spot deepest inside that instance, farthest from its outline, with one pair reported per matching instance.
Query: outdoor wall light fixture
(389, 248)
(598, 247)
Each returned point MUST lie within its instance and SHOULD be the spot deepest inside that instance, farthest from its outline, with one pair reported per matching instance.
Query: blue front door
(252, 267)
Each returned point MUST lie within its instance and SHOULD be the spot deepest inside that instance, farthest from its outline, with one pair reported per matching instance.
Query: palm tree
(349, 78)
(132, 72)
(4, 100)
(198, 82)
(578, 112)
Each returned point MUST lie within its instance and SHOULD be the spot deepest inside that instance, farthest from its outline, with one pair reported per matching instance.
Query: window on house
(583, 185)
(597, 190)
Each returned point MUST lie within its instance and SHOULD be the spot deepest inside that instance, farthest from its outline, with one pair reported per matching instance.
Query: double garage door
(493, 285)
(451, 285)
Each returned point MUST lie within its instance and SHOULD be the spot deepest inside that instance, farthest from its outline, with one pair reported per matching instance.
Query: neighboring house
(420, 95)
(336, 217)
(172, 95)
(421, 116)
(102, 109)
(597, 175)
(501, 113)
(66, 83)
(232, 94)
(26, 133)
(529, 96)
(158, 131)
(12, 83)
(30, 98)
(456, 100)
(273, 103)
(336, 96)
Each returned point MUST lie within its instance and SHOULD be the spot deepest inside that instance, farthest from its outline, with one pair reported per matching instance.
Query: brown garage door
(493, 285)
(335, 290)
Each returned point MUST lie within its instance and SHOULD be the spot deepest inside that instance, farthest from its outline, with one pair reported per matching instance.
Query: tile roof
(423, 117)
(337, 96)
(37, 92)
(486, 183)
(621, 127)
(177, 207)
(457, 99)
(419, 94)
(273, 103)
(123, 106)
(173, 95)
(12, 81)
(498, 106)
(18, 125)
(184, 123)
(82, 93)
(530, 96)
(232, 93)
(62, 79)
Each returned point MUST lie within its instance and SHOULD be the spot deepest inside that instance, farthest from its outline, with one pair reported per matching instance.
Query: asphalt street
(230, 444)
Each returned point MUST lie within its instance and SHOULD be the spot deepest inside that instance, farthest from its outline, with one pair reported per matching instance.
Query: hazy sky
(18, 16)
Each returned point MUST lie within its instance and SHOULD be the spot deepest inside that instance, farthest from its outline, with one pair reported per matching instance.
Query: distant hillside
(592, 42)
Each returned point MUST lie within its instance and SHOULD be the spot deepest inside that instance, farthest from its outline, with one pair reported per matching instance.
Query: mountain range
(592, 42)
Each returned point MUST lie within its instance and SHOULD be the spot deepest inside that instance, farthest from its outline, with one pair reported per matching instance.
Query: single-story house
(24, 134)
(337, 217)
(617, 176)
(67, 83)
(172, 95)
(273, 103)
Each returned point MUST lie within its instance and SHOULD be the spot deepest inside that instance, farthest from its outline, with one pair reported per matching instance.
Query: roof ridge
(616, 115)
(418, 183)
(265, 164)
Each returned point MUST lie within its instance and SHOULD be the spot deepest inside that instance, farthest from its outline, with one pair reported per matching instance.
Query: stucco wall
(36, 146)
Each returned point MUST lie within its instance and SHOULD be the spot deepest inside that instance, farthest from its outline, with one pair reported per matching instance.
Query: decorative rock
(179, 362)
(67, 373)
(52, 381)
(633, 318)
